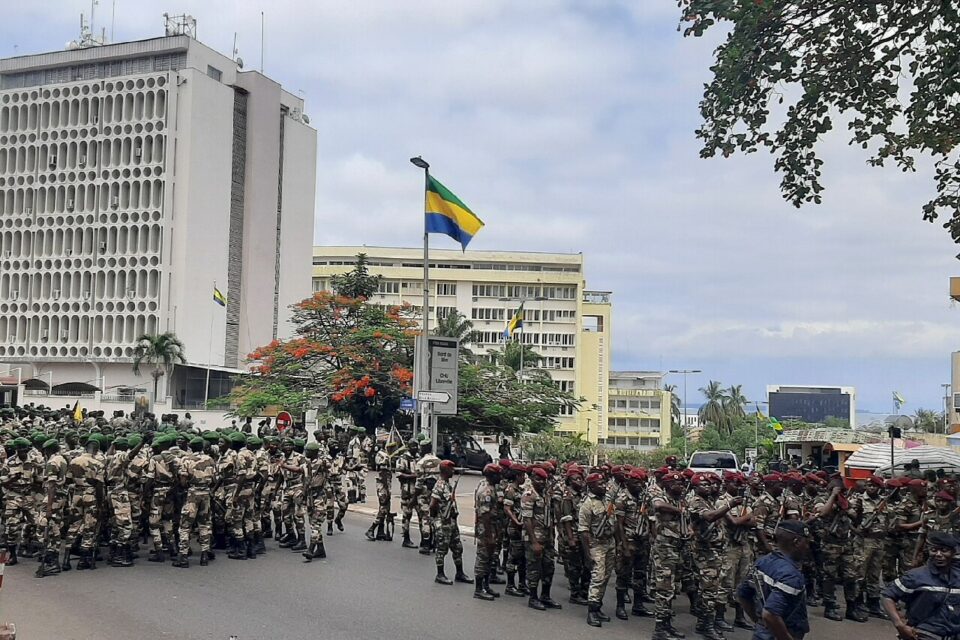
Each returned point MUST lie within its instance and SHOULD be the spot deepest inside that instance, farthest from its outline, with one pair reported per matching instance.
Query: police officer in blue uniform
(774, 594)
(931, 594)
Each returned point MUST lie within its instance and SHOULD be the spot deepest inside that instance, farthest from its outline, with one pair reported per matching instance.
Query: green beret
(211, 436)
(121, 442)
(312, 446)
(52, 442)
(422, 436)
(70, 433)
(425, 442)
(38, 438)
(299, 442)
(237, 438)
(83, 438)
(134, 439)
(254, 440)
(21, 442)
(93, 440)
(196, 440)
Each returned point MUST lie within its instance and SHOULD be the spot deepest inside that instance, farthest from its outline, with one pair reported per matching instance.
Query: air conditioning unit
(8, 253)
(28, 210)
(138, 152)
(53, 162)
(65, 335)
(56, 294)
(115, 201)
(82, 162)
(103, 247)
(45, 334)
(15, 294)
(131, 294)
(86, 294)
(70, 204)
(95, 119)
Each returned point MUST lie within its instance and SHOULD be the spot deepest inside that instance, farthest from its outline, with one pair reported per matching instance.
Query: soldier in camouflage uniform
(135, 476)
(384, 464)
(197, 474)
(842, 555)
(408, 499)
(244, 521)
(293, 477)
(596, 527)
(428, 471)
(672, 531)
(571, 552)
(738, 555)
(873, 528)
(16, 479)
(317, 468)
(904, 519)
(160, 477)
(484, 501)
(536, 513)
(272, 491)
(944, 517)
(443, 510)
(768, 510)
(633, 552)
(51, 519)
(87, 474)
(118, 495)
(516, 564)
(336, 498)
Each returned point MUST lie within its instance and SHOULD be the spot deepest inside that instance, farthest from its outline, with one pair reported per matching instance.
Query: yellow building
(638, 411)
(566, 324)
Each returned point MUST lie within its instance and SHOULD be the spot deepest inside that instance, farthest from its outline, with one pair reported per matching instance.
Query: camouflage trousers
(486, 553)
(293, 510)
(515, 556)
(447, 538)
(540, 568)
(18, 512)
(668, 564)
(843, 565)
(336, 500)
(240, 516)
(358, 478)
(161, 516)
(408, 503)
(121, 522)
(196, 511)
(632, 568)
(872, 566)
(84, 507)
(709, 563)
(51, 539)
(383, 504)
(895, 550)
(737, 560)
(136, 511)
(603, 555)
(423, 514)
(317, 511)
(574, 569)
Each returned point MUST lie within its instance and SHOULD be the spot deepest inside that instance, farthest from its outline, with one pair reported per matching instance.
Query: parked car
(713, 461)
(463, 450)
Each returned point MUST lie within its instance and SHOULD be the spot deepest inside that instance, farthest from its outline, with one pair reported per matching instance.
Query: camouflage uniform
(738, 555)
(597, 520)
(427, 469)
(86, 472)
(161, 474)
(842, 555)
(316, 495)
(667, 561)
(873, 528)
(293, 508)
(336, 498)
(408, 498)
(16, 478)
(121, 522)
(570, 548)
(198, 471)
(240, 513)
(516, 562)
(899, 547)
(445, 524)
(484, 503)
(634, 555)
(768, 510)
(135, 476)
(540, 568)
(709, 552)
(55, 476)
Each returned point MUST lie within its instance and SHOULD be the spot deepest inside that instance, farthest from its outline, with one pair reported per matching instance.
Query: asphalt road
(364, 590)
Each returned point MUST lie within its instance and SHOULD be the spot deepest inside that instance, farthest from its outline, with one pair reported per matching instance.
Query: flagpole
(206, 388)
(422, 367)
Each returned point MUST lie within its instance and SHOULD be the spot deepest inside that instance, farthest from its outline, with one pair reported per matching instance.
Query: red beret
(687, 473)
(670, 460)
(505, 464)
(595, 478)
(672, 476)
(447, 464)
(540, 473)
(794, 476)
(519, 468)
(730, 476)
(554, 462)
(813, 478)
(574, 470)
(894, 483)
(822, 474)
(876, 480)
(699, 479)
(638, 474)
(772, 478)
(945, 495)
(492, 468)
(917, 482)
(661, 471)
(616, 468)
(548, 466)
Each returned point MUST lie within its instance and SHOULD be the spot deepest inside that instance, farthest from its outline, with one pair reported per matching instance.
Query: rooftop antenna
(113, 19)
(261, 42)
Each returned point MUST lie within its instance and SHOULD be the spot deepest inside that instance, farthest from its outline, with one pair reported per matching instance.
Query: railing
(117, 397)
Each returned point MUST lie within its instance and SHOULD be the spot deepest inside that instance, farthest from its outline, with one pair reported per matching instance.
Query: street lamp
(946, 404)
(685, 372)
(420, 162)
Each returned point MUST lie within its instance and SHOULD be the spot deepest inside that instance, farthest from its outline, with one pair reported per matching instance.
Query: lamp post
(420, 355)
(685, 372)
(946, 405)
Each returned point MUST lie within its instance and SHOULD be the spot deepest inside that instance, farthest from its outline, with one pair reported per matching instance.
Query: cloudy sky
(568, 126)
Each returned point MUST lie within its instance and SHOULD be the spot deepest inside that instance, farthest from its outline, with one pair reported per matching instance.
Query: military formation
(75, 486)
(73, 483)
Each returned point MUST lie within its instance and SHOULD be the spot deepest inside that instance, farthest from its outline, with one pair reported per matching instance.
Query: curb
(361, 509)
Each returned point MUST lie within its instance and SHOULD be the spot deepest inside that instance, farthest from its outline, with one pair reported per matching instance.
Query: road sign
(433, 396)
(408, 404)
(284, 421)
(442, 359)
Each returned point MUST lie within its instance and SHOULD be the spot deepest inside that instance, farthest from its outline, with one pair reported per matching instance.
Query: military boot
(638, 609)
(534, 602)
(694, 604)
(12, 560)
(511, 589)
(495, 579)
(673, 632)
(259, 546)
(329, 528)
(288, 540)
(442, 577)
(219, 541)
(592, 618)
(407, 542)
(122, 557)
(578, 596)
(236, 552)
(65, 566)
(478, 590)
(181, 562)
(252, 551)
(487, 589)
(86, 559)
(522, 580)
(301, 544)
(739, 620)
(339, 520)
(601, 615)
(705, 626)
(874, 610)
(460, 576)
(320, 551)
(308, 554)
(621, 611)
(831, 611)
(156, 555)
(545, 598)
(426, 546)
(204, 558)
(381, 534)
(371, 536)
(719, 623)
(266, 526)
(855, 613)
(661, 631)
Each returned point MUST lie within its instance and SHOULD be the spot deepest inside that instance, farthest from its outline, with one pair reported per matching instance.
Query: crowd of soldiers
(73, 482)
(671, 530)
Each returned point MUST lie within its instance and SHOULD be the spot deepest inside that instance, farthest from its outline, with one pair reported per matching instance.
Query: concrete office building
(638, 411)
(566, 323)
(812, 403)
(133, 177)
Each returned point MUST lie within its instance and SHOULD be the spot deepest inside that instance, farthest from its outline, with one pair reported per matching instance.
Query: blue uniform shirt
(932, 598)
(781, 592)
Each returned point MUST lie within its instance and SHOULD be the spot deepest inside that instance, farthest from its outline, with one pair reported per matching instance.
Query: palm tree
(713, 412)
(512, 352)
(674, 402)
(734, 405)
(456, 325)
(162, 351)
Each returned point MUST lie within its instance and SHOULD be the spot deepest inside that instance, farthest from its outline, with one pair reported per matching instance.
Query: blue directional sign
(408, 404)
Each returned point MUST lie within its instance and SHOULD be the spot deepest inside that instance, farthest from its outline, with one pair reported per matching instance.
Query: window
(214, 73)
(319, 285)
(489, 291)
(411, 288)
(387, 286)
(634, 404)
(446, 288)
(443, 312)
(482, 313)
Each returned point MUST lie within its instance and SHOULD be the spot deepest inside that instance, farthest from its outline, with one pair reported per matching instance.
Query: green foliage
(675, 416)
(356, 283)
(713, 412)
(512, 356)
(163, 351)
(259, 398)
(456, 325)
(647, 459)
(928, 421)
(890, 68)
(742, 436)
(548, 446)
(836, 423)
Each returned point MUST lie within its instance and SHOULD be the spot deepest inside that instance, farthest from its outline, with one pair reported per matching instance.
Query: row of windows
(115, 329)
(84, 111)
(110, 284)
(537, 339)
(557, 362)
(652, 404)
(495, 266)
(634, 424)
(128, 194)
(618, 442)
(134, 239)
(93, 71)
(129, 151)
(487, 313)
(524, 292)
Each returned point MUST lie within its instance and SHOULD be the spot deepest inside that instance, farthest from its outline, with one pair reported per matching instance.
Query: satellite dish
(306, 120)
(239, 62)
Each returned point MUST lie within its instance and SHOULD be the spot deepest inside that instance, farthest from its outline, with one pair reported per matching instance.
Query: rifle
(40, 573)
(880, 508)
(453, 498)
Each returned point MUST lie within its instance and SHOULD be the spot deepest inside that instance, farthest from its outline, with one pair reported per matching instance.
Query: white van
(713, 461)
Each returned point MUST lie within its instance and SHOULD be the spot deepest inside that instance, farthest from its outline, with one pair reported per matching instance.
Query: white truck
(713, 461)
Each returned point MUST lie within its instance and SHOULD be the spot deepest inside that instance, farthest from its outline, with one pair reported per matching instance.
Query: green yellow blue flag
(776, 425)
(898, 400)
(515, 322)
(446, 213)
(219, 298)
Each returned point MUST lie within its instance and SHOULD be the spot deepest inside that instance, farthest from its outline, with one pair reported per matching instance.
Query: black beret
(941, 539)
